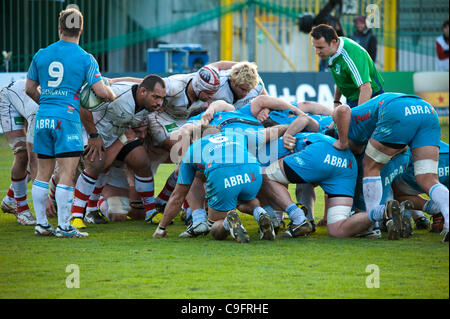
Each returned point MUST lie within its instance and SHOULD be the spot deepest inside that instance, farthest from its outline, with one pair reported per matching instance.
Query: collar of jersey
(338, 51)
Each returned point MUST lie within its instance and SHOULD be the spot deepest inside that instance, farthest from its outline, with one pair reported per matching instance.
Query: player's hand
(95, 150)
(208, 115)
(289, 142)
(130, 134)
(160, 233)
(339, 145)
(263, 115)
(50, 209)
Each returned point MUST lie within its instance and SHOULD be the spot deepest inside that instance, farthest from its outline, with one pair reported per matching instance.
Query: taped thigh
(18, 144)
(338, 213)
(426, 166)
(376, 155)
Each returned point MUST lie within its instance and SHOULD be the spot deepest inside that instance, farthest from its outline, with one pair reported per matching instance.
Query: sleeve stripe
(352, 67)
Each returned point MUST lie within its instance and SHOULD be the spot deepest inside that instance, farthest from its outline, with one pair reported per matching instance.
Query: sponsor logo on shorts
(443, 171)
(49, 124)
(418, 109)
(239, 179)
(73, 137)
(338, 161)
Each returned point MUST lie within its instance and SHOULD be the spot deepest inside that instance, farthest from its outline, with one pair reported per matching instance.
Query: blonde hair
(244, 73)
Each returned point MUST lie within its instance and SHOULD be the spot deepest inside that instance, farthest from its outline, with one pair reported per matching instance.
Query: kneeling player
(232, 175)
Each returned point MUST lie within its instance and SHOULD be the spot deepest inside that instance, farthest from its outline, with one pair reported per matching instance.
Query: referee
(352, 68)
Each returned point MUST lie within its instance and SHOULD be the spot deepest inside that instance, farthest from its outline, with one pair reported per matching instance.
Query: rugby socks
(167, 190)
(377, 214)
(306, 195)
(373, 192)
(226, 225)
(415, 214)
(198, 216)
(439, 194)
(9, 197)
(145, 188)
(83, 189)
(39, 191)
(296, 215)
(95, 195)
(103, 206)
(51, 193)
(188, 210)
(64, 200)
(269, 210)
(20, 193)
(431, 207)
(257, 211)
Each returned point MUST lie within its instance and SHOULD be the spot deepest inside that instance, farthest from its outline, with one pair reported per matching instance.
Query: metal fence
(118, 32)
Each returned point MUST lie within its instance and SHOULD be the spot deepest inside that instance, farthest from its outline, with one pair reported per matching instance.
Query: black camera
(307, 21)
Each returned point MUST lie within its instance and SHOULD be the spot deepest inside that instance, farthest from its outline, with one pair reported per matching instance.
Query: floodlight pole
(251, 32)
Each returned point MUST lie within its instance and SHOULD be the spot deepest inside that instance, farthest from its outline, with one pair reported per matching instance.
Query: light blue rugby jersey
(61, 69)
(212, 151)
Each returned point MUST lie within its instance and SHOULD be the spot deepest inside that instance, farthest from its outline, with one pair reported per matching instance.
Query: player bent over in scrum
(316, 161)
(231, 174)
(387, 123)
(112, 124)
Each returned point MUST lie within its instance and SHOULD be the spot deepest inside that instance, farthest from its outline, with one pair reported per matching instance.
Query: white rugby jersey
(176, 103)
(225, 93)
(14, 96)
(112, 119)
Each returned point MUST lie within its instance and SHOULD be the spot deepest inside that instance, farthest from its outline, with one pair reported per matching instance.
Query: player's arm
(342, 116)
(223, 64)
(267, 103)
(314, 108)
(172, 208)
(32, 90)
(104, 92)
(95, 148)
(365, 93)
(337, 96)
(125, 79)
(215, 107)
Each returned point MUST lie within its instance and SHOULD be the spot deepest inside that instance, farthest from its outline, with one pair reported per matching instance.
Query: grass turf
(122, 260)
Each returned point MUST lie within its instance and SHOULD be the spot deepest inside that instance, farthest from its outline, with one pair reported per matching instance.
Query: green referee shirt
(351, 66)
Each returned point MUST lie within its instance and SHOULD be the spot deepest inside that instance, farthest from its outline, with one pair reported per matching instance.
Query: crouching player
(232, 176)
(387, 123)
(316, 161)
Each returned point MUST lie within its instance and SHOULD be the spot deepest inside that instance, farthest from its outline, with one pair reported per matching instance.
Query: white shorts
(161, 125)
(117, 177)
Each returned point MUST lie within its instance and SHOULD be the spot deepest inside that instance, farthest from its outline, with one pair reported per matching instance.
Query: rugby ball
(88, 99)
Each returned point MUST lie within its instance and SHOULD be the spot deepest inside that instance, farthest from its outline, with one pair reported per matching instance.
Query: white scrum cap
(206, 79)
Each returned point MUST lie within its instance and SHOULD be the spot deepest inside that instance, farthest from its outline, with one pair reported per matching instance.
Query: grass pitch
(122, 260)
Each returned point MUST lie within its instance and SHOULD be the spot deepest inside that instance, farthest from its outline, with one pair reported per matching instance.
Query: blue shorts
(226, 185)
(320, 163)
(56, 136)
(408, 121)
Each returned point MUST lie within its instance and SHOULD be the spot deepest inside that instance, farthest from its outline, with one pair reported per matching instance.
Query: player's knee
(336, 216)
(94, 168)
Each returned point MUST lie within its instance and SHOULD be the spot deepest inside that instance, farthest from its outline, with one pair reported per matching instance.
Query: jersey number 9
(55, 70)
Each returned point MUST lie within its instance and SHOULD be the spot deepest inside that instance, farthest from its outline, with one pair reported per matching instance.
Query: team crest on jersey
(338, 68)
(70, 109)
